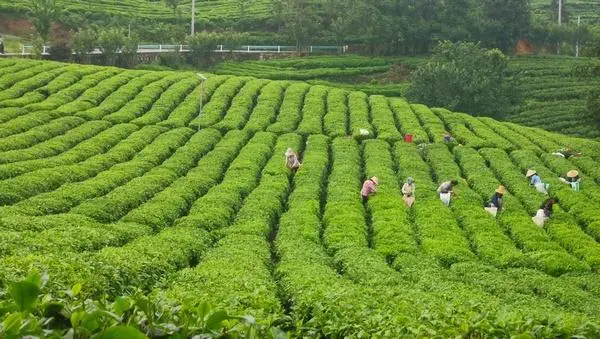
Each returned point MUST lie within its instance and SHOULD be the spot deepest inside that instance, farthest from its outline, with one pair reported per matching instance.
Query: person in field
(536, 181)
(448, 137)
(446, 191)
(572, 178)
(566, 153)
(369, 187)
(291, 160)
(408, 192)
(545, 212)
(496, 203)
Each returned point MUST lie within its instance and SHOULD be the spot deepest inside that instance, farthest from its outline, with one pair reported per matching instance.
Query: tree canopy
(464, 77)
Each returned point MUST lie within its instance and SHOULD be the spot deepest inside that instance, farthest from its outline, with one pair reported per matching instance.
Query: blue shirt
(535, 179)
(497, 201)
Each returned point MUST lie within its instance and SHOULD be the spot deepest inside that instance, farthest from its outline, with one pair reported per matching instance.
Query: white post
(44, 50)
(559, 12)
(129, 32)
(248, 48)
(22, 49)
(311, 49)
(578, 32)
(559, 22)
(221, 47)
(278, 49)
(193, 15)
(160, 48)
(181, 48)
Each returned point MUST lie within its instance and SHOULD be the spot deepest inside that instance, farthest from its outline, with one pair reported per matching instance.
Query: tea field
(214, 11)
(113, 181)
(553, 96)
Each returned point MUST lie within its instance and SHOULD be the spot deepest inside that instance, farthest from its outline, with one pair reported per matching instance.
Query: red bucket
(408, 138)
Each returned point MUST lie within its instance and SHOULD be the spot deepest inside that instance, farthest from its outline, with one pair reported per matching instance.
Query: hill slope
(113, 178)
(214, 11)
(227, 10)
(589, 10)
(553, 98)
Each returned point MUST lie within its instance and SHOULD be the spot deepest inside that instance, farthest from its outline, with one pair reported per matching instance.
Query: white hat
(530, 173)
(375, 180)
(572, 174)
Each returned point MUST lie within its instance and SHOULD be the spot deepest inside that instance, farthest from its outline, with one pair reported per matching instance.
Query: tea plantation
(114, 182)
(553, 94)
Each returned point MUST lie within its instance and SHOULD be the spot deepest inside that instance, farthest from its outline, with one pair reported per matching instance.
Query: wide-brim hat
(572, 174)
(530, 173)
(375, 180)
(501, 190)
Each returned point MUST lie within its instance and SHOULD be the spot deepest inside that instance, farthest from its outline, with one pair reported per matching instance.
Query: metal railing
(160, 48)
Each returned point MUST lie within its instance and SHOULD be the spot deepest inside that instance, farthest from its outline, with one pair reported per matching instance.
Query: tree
(503, 22)
(203, 44)
(464, 77)
(301, 22)
(343, 18)
(111, 41)
(61, 46)
(44, 13)
(84, 42)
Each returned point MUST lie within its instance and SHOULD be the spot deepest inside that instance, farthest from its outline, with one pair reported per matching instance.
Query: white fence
(28, 49)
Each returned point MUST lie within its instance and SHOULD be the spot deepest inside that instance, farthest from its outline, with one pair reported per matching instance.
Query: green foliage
(504, 22)
(300, 21)
(116, 183)
(202, 44)
(464, 77)
(44, 13)
(33, 311)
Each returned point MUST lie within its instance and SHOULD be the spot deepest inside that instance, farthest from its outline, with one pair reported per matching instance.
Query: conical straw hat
(530, 173)
(572, 174)
(501, 189)
(375, 180)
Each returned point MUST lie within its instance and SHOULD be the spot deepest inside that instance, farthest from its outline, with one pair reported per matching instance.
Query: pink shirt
(368, 188)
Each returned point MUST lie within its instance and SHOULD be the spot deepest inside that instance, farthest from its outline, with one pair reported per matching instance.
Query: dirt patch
(523, 47)
(15, 26)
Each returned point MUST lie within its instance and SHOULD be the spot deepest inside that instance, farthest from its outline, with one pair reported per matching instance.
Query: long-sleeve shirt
(535, 179)
(368, 188)
(497, 201)
(547, 207)
(292, 161)
(445, 187)
(408, 189)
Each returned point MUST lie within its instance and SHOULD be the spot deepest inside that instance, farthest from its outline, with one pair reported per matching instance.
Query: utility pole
(559, 12)
(193, 15)
(559, 23)
(578, 32)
